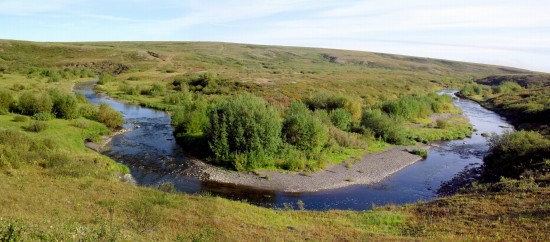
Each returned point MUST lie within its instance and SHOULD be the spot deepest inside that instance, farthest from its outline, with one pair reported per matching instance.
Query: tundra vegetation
(248, 107)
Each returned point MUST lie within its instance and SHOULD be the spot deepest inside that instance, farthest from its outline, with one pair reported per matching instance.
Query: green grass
(457, 127)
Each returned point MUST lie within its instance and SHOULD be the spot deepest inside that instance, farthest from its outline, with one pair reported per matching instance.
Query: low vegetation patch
(420, 152)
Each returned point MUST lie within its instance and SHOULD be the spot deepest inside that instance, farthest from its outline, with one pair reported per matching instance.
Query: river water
(154, 157)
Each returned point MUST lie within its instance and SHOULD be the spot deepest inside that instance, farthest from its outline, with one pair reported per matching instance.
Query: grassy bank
(523, 99)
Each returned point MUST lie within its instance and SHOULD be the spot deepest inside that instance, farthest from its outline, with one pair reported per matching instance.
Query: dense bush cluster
(58, 74)
(190, 117)
(513, 154)
(331, 101)
(33, 103)
(207, 83)
(65, 105)
(245, 130)
(482, 90)
(387, 120)
(385, 126)
(44, 106)
(303, 130)
(411, 107)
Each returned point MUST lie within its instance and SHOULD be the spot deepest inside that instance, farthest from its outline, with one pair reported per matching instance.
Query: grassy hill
(280, 72)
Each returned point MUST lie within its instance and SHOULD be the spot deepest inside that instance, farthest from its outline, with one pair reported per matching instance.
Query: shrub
(409, 107)
(341, 119)
(65, 105)
(20, 118)
(443, 123)
(144, 216)
(420, 152)
(325, 100)
(246, 128)
(191, 117)
(129, 90)
(514, 153)
(345, 139)
(506, 87)
(110, 117)
(104, 78)
(86, 73)
(389, 128)
(6, 102)
(37, 126)
(43, 116)
(88, 111)
(157, 90)
(178, 98)
(31, 104)
(303, 130)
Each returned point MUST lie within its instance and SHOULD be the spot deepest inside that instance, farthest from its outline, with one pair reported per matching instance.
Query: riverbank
(372, 168)
(105, 140)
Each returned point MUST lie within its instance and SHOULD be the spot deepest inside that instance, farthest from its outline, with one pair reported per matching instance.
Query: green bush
(31, 103)
(37, 126)
(346, 139)
(341, 119)
(6, 102)
(157, 90)
(420, 152)
(43, 116)
(514, 153)
(325, 100)
(409, 107)
(86, 73)
(88, 111)
(65, 105)
(20, 118)
(179, 98)
(110, 117)
(191, 117)
(130, 90)
(243, 131)
(105, 78)
(303, 130)
(387, 127)
(506, 87)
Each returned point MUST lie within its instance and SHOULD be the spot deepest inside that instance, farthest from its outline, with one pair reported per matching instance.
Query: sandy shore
(371, 169)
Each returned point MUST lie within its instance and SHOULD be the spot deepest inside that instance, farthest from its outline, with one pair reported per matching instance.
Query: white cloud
(491, 31)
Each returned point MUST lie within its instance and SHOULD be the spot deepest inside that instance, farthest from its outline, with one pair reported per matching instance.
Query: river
(154, 157)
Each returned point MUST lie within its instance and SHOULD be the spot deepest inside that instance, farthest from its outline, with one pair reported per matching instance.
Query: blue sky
(512, 33)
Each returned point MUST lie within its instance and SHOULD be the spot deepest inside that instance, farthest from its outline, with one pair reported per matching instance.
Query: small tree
(244, 130)
(303, 130)
(341, 119)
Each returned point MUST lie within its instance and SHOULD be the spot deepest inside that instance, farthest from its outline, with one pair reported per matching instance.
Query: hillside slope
(290, 71)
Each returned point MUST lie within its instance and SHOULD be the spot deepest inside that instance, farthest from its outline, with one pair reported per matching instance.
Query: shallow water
(154, 157)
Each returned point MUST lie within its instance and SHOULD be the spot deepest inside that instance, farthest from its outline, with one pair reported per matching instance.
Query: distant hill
(277, 72)
(530, 80)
